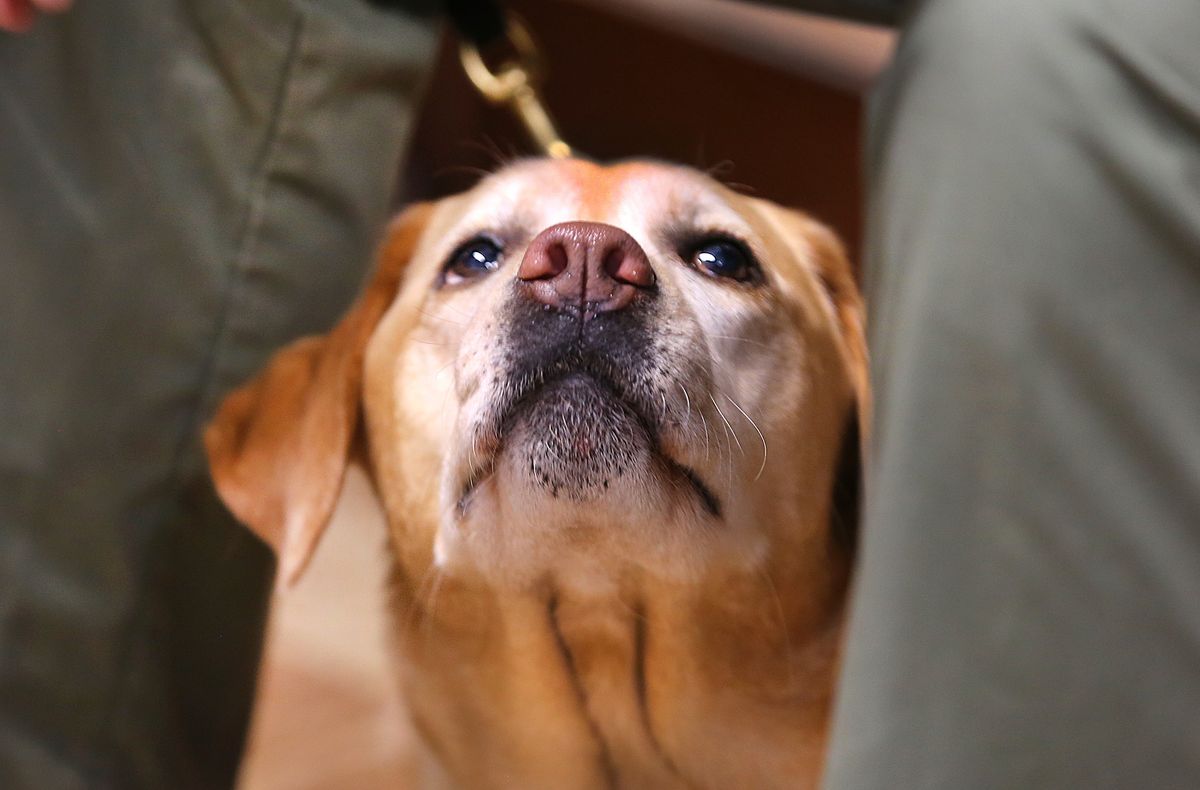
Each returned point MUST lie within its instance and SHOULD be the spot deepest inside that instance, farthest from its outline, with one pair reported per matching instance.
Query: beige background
(329, 714)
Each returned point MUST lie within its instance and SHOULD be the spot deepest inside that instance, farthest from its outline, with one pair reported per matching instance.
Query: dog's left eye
(725, 258)
(479, 256)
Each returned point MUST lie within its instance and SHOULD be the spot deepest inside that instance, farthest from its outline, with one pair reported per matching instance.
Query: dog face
(610, 368)
(587, 370)
(606, 409)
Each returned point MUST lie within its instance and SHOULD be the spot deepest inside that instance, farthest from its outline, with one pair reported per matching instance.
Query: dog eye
(479, 256)
(725, 258)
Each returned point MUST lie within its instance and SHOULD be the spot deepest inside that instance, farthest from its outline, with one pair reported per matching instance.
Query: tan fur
(622, 642)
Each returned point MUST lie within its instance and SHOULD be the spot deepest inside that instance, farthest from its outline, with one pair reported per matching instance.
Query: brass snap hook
(515, 83)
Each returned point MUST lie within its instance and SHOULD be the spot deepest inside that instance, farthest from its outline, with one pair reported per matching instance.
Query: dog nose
(588, 265)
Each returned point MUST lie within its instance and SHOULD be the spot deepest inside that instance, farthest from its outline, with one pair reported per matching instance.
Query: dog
(612, 414)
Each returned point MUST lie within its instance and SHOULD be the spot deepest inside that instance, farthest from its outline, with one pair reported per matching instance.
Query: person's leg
(184, 186)
(1027, 609)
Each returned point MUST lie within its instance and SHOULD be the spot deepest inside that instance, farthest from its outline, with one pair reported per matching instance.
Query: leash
(483, 26)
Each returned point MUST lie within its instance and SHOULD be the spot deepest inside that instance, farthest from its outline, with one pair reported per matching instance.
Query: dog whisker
(441, 318)
(443, 368)
(745, 189)
(471, 170)
(720, 170)
(739, 339)
(470, 316)
(491, 149)
(703, 420)
(728, 426)
(687, 401)
(728, 447)
(757, 430)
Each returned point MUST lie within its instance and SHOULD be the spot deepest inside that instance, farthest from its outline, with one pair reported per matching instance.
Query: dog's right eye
(479, 256)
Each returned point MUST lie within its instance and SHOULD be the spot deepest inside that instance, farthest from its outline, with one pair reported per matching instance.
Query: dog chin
(573, 455)
(577, 480)
(576, 440)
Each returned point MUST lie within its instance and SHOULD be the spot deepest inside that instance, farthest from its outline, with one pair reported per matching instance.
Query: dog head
(571, 371)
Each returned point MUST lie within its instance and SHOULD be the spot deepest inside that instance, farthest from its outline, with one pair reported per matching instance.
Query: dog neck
(624, 681)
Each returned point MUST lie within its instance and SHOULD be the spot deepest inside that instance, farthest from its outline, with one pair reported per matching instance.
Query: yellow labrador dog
(610, 413)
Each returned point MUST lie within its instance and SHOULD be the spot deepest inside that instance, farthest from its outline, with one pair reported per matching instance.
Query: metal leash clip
(515, 84)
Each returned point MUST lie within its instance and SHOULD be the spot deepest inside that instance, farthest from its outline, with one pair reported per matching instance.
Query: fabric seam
(256, 207)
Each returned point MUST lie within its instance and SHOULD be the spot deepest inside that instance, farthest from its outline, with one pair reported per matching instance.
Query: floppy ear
(823, 251)
(833, 269)
(279, 445)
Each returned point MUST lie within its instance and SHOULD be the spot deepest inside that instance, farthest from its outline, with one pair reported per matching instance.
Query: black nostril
(558, 260)
(629, 267)
(612, 262)
(544, 261)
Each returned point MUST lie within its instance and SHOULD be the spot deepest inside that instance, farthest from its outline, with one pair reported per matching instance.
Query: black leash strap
(480, 22)
(484, 27)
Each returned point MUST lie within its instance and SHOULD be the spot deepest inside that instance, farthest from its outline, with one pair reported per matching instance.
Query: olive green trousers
(1027, 609)
(185, 185)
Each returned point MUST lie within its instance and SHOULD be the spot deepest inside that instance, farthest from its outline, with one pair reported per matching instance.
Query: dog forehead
(627, 194)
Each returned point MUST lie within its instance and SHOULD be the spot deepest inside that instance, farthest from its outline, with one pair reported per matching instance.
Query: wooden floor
(329, 716)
